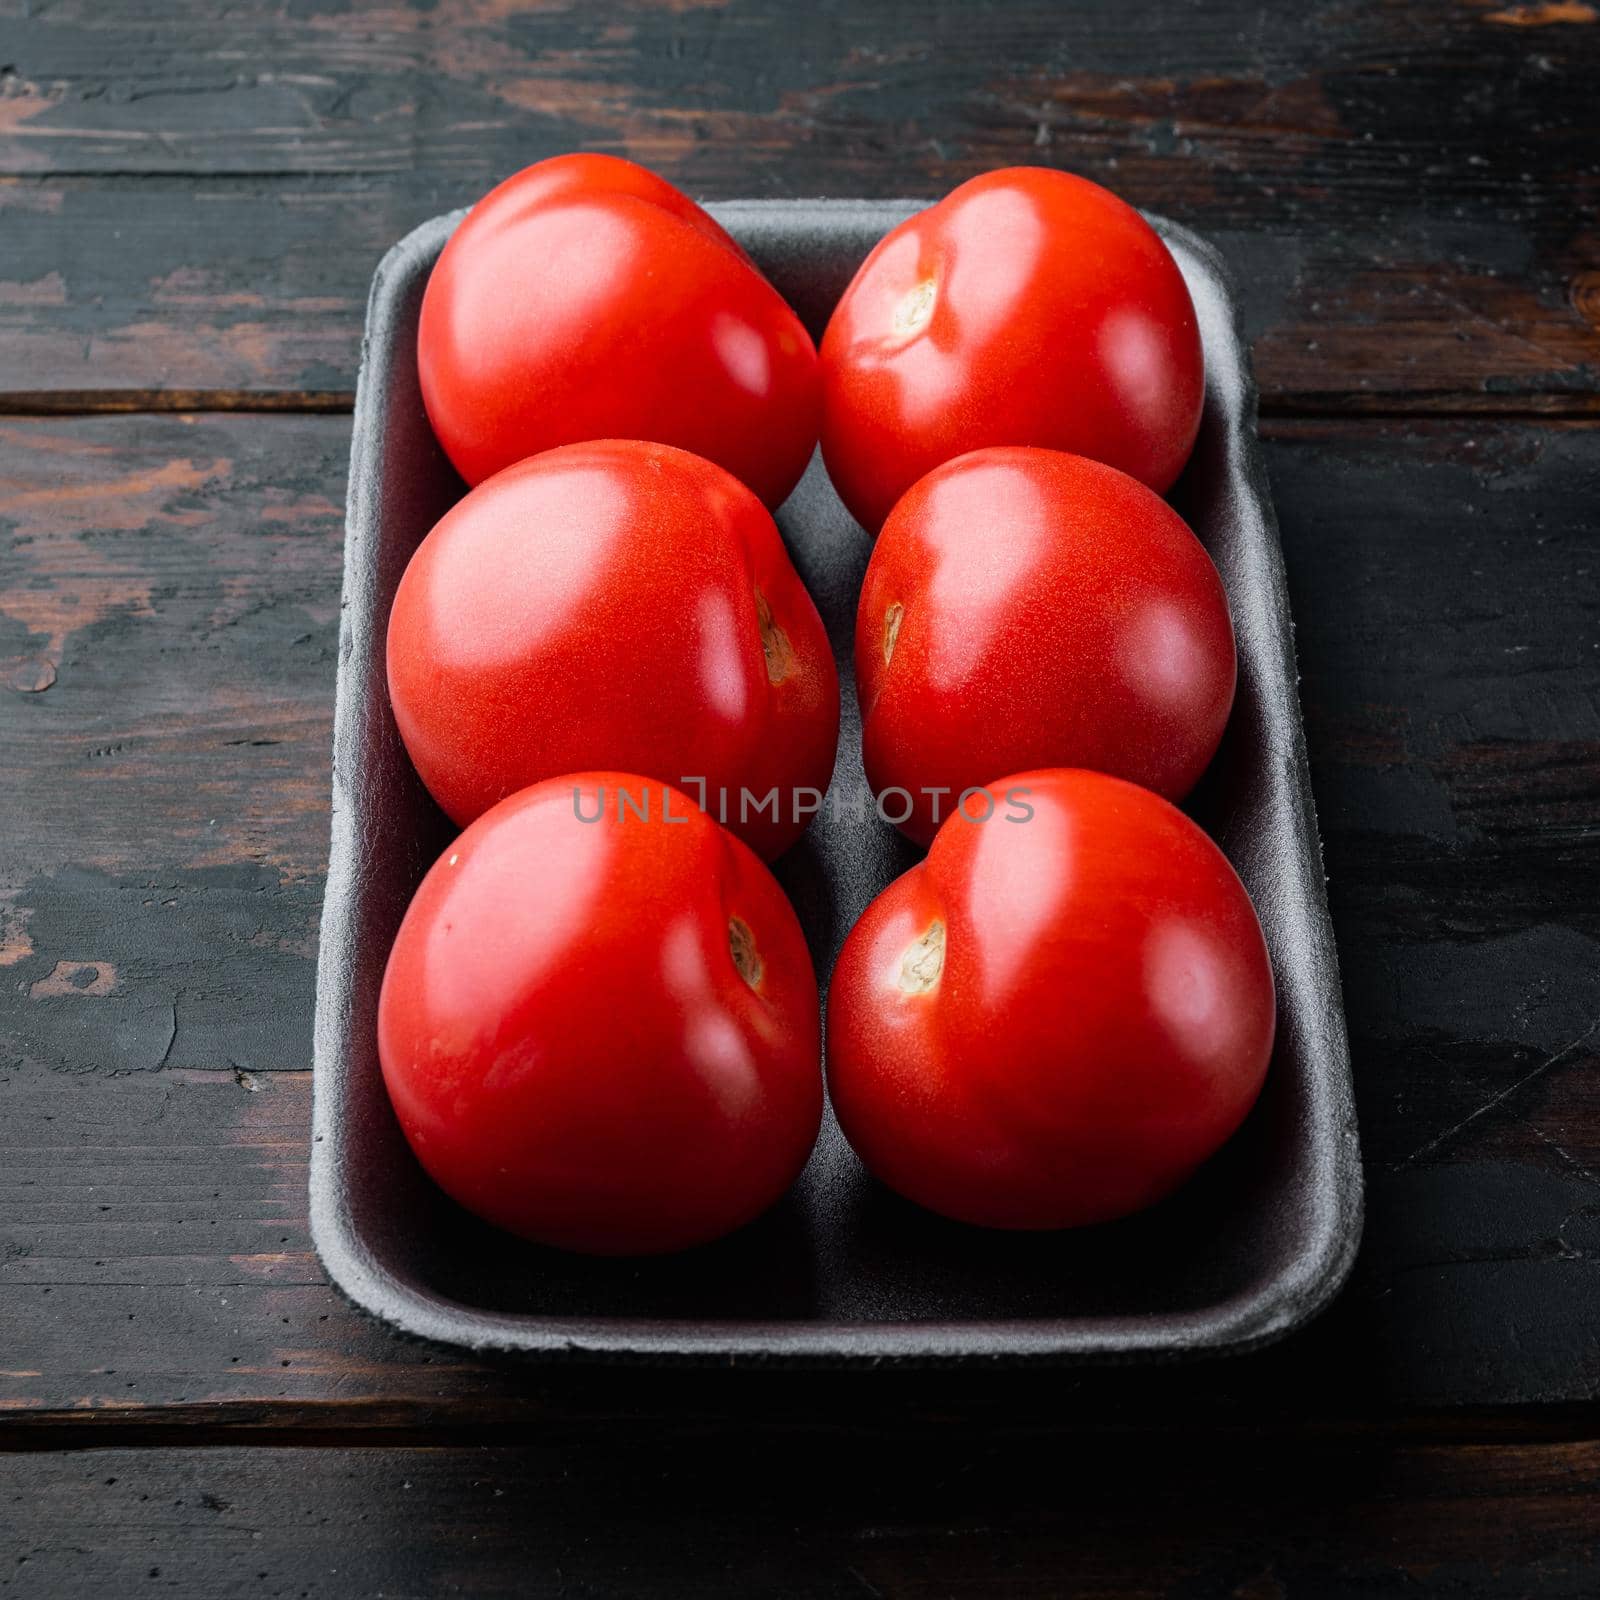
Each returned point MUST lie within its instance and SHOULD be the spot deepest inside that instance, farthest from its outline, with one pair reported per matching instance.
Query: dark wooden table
(192, 199)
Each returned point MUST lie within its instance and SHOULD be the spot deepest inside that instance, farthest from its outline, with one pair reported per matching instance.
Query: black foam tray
(841, 1271)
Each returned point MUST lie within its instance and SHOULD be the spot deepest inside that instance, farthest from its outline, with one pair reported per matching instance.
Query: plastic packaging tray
(841, 1271)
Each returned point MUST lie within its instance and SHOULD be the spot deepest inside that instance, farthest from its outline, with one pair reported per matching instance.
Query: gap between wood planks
(360, 1424)
(1356, 404)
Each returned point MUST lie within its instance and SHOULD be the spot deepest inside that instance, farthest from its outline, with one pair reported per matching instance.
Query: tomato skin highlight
(1026, 608)
(1027, 307)
(1098, 1020)
(614, 605)
(567, 1037)
(586, 298)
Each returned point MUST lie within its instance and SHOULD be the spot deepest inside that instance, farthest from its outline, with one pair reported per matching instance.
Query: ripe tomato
(586, 298)
(1026, 608)
(1027, 307)
(615, 605)
(1058, 1015)
(599, 1028)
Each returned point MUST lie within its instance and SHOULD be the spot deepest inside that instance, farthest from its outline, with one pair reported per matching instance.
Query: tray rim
(1236, 1325)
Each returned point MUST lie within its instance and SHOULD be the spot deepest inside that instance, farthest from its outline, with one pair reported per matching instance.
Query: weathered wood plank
(325, 87)
(814, 1514)
(168, 622)
(197, 196)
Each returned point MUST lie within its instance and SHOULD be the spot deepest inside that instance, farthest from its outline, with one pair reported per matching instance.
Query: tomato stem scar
(891, 630)
(742, 946)
(774, 643)
(915, 309)
(923, 963)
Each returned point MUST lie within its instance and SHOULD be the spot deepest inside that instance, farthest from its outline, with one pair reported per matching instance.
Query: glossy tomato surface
(1058, 1015)
(1027, 307)
(586, 298)
(599, 1028)
(1027, 608)
(615, 605)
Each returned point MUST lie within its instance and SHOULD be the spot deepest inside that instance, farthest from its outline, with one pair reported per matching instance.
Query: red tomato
(1058, 1015)
(1026, 608)
(586, 298)
(602, 1034)
(1027, 307)
(615, 605)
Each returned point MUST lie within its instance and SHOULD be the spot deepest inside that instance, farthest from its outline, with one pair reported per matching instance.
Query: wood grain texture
(194, 197)
(168, 623)
(899, 1516)
(192, 200)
